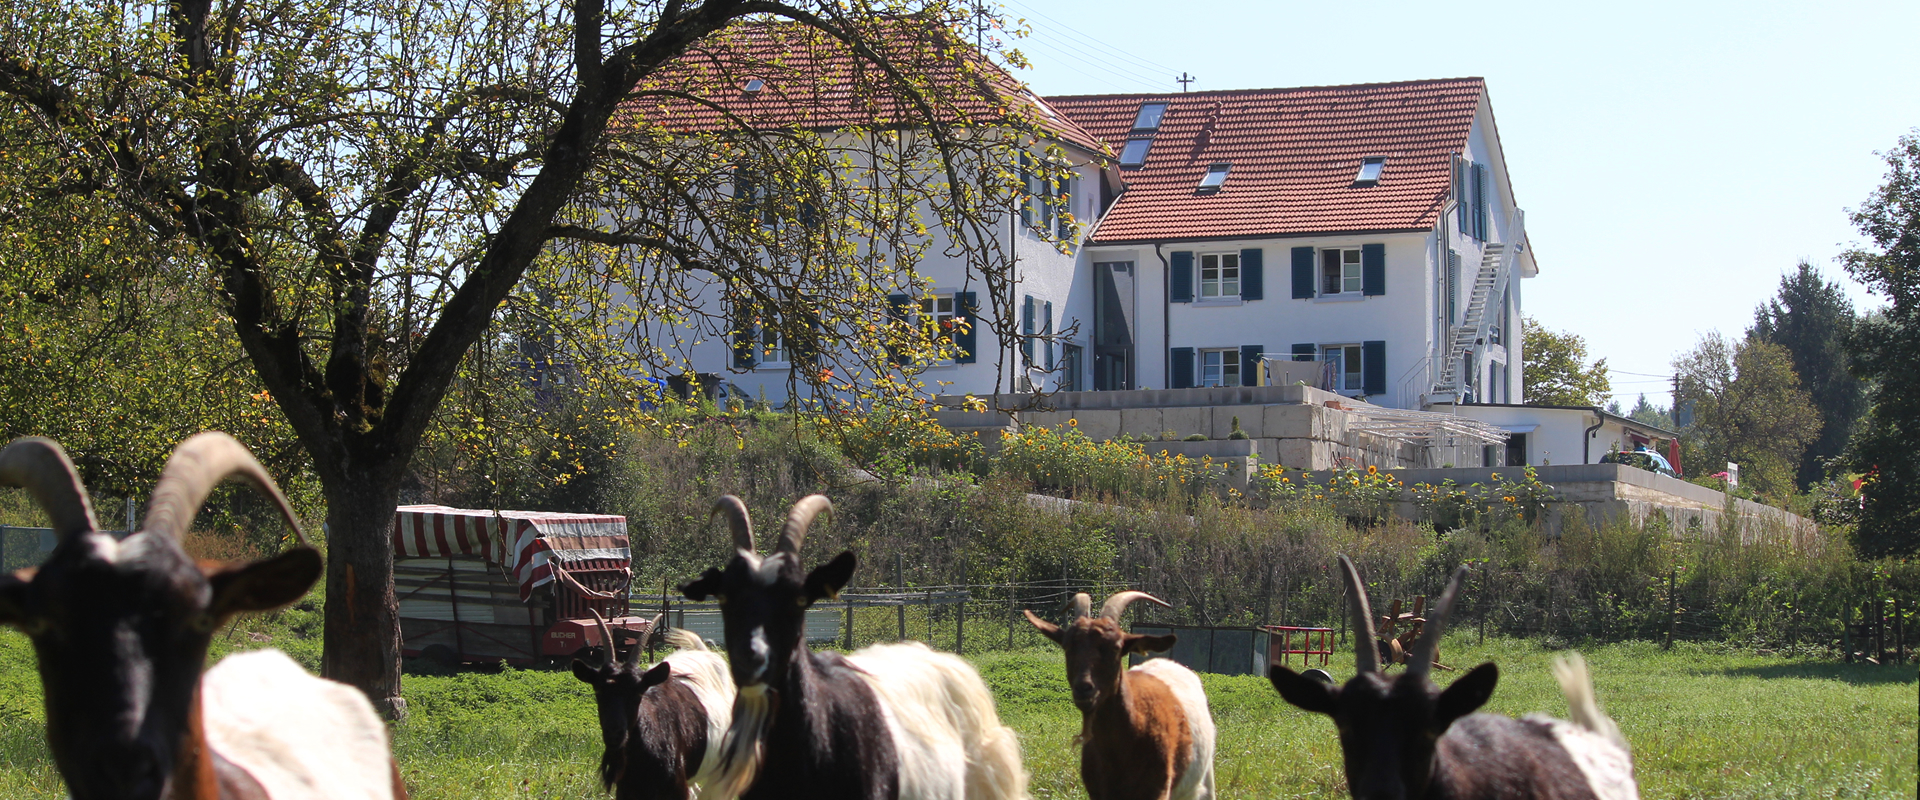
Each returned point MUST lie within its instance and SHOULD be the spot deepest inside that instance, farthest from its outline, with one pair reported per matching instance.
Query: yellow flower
(1372, 470)
(1356, 481)
(1286, 480)
(1496, 476)
(1073, 423)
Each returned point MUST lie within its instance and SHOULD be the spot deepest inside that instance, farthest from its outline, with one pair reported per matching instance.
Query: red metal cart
(514, 586)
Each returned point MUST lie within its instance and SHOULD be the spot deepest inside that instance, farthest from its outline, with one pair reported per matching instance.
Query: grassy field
(1703, 723)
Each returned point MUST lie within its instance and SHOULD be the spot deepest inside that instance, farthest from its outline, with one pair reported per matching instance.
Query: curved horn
(798, 520)
(1365, 648)
(1420, 662)
(1117, 604)
(653, 635)
(737, 519)
(1082, 605)
(606, 636)
(196, 466)
(38, 465)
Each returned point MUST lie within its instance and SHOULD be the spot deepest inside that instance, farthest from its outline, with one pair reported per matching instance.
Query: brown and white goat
(1403, 738)
(662, 727)
(890, 722)
(1146, 733)
(121, 630)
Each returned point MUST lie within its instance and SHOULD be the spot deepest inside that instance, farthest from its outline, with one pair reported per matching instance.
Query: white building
(1371, 226)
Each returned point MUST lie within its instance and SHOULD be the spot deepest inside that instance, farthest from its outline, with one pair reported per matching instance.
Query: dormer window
(1135, 153)
(1370, 171)
(754, 85)
(1149, 117)
(1215, 177)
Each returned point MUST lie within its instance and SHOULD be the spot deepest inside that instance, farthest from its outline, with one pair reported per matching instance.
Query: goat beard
(745, 744)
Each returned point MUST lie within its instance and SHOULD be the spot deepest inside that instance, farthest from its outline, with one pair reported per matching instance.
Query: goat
(1146, 732)
(1403, 738)
(121, 630)
(887, 722)
(662, 727)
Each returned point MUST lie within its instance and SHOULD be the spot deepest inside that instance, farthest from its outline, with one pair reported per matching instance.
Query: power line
(1071, 50)
(1101, 78)
(1140, 61)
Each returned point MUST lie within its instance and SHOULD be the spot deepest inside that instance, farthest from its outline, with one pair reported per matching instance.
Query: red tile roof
(1294, 152)
(812, 81)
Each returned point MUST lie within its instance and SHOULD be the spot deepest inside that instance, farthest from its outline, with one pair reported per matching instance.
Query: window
(1219, 276)
(1347, 367)
(772, 345)
(1216, 177)
(1340, 271)
(754, 85)
(938, 310)
(1220, 367)
(1370, 170)
(1149, 117)
(1135, 153)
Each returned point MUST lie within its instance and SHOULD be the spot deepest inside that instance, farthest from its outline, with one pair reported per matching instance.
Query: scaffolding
(1424, 428)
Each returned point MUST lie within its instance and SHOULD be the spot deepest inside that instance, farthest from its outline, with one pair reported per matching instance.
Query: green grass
(1704, 723)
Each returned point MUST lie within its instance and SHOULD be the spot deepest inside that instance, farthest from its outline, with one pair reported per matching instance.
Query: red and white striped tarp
(525, 543)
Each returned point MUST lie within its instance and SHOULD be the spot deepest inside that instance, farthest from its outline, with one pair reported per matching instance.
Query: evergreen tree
(1748, 408)
(1651, 414)
(1811, 317)
(1885, 349)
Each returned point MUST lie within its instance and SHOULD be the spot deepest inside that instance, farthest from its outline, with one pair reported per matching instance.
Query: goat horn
(737, 520)
(196, 466)
(1365, 648)
(38, 465)
(606, 635)
(653, 634)
(1082, 605)
(1117, 604)
(1421, 661)
(798, 519)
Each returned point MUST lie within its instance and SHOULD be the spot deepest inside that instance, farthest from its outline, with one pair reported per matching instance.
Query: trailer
(479, 585)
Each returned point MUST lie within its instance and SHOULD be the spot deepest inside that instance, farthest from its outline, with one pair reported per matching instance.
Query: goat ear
(1149, 643)
(1465, 695)
(656, 676)
(587, 673)
(826, 580)
(266, 584)
(1047, 629)
(1306, 693)
(708, 585)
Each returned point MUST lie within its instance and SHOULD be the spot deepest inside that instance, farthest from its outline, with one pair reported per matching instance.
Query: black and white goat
(891, 722)
(1145, 733)
(121, 630)
(1403, 738)
(662, 727)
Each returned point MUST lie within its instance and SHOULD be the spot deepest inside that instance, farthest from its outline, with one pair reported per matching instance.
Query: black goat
(662, 727)
(1403, 738)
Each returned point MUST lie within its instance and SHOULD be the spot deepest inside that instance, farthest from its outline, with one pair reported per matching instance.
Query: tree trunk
(361, 635)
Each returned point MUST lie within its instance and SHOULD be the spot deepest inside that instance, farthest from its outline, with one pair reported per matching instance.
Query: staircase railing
(1489, 287)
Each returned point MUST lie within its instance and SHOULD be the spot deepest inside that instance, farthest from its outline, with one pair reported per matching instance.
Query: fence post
(1673, 607)
(960, 628)
(900, 590)
(1011, 614)
(3, 549)
(849, 642)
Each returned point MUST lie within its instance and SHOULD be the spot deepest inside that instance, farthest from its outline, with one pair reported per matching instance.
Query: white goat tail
(1583, 709)
(745, 745)
(683, 639)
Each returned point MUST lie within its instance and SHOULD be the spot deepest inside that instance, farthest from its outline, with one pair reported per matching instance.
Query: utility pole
(1184, 79)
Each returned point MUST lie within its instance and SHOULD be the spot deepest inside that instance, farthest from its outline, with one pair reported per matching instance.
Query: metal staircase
(1489, 286)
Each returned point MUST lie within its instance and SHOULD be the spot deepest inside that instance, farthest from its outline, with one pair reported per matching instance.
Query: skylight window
(1216, 176)
(754, 85)
(1370, 170)
(1149, 117)
(1135, 153)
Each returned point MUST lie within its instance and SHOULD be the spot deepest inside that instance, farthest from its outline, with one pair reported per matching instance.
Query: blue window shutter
(1180, 277)
(965, 338)
(1182, 362)
(1461, 197)
(1026, 185)
(1305, 351)
(1253, 275)
(1480, 202)
(805, 348)
(1046, 329)
(899, 309)
(1026, 330)
(1373, 367)
(746, 345)
(1373, 269)
(1249, 363)
(1303, 273)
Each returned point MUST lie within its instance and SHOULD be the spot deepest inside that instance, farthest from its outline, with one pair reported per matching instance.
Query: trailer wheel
(442, 655)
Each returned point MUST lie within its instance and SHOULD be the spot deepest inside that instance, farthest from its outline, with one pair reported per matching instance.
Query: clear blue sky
(1674, 158)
